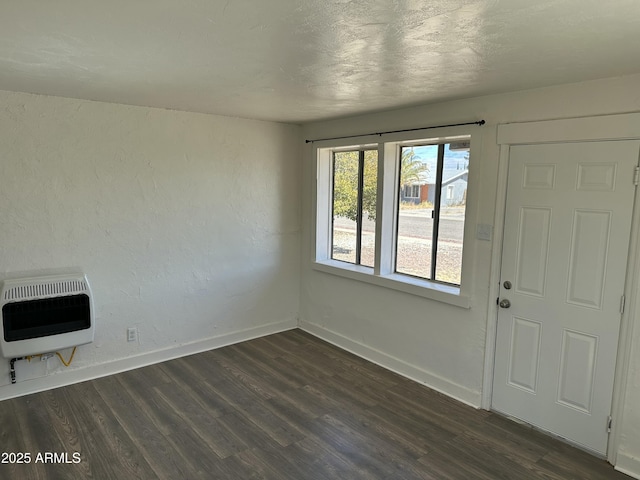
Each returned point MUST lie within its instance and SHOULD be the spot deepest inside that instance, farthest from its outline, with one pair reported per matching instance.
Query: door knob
(504, 303)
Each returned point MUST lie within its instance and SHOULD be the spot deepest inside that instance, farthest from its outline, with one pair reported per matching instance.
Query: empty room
(346, 239)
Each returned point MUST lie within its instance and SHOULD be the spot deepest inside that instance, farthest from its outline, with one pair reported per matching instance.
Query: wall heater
(45, 314)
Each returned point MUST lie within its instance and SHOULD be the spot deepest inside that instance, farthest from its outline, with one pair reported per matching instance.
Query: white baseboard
(435, 382)
(628, 465)
(68, 377)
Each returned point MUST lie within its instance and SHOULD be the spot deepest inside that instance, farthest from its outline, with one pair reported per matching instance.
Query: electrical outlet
(132, 334)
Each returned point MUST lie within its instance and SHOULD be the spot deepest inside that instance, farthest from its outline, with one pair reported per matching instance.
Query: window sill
(423, 288)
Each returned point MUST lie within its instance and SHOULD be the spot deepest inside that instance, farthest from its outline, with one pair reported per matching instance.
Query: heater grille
(43, 290)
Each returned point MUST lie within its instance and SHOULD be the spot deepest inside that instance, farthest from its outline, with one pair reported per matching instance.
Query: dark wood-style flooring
(286, 406)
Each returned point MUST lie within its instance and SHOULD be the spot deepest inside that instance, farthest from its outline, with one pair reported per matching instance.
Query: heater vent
(45, 314)
(43, 290)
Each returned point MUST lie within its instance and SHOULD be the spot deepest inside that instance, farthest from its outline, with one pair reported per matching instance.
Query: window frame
(360, 199)
(383, 273)
(437, 207)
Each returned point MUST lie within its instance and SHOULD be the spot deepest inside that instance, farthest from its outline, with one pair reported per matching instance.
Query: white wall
(436, 343)
(187, 225)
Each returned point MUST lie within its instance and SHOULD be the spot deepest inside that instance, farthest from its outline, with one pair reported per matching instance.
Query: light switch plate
(484, 231)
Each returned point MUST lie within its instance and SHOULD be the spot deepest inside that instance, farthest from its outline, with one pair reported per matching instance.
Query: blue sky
(454, 161)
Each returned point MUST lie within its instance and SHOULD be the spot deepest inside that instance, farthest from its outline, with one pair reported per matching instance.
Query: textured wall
(187, 225)
(440, 344)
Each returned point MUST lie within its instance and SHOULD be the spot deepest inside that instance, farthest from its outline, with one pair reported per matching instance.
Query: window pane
(345, 206)
(354, 207)
(415, 223)
(370, 186)
(452, 212)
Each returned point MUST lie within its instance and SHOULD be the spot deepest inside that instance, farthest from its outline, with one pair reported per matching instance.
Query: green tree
(345, 184)
(345, 180)
(411, 167)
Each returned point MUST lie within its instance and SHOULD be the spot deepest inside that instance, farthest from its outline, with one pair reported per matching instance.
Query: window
(430, 234)
(411, 191)
(393, 213)
(450, 190)
(355, 183)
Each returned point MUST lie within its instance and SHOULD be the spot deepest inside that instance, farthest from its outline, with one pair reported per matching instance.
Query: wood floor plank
(19, 433)
(443, 465)
(283, 465)
(340, 393)
(516, 448)
(148, 376)
(251, 434)
(324, 460)
(53, 433)
(362, 451)
(203, 366)
(195, 369)
(258, 364)
(356, 366)
(428, 408)
(184, 440)
(100, 436)
(202, 393)
(313, 363)
(302, 405)
(285, 406)
(415, 438)
(220, 440)
(248, 465)
(372, 433)
(156, 448)
(245, 373)
(277, 428)
(9, 423)
(579, 465)
(493, 463)
(305, 369)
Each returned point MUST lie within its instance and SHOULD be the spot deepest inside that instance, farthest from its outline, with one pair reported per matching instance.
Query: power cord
(66, 364)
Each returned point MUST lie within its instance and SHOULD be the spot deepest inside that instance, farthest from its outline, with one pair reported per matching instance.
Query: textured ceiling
(304, 60)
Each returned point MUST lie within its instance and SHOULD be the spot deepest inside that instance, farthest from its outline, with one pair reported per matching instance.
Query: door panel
(565, 246)
(524, 353)
(577, 366)
(588, 257)
(532, 250)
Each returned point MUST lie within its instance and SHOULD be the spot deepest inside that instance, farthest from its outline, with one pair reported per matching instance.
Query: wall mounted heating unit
(45, 314)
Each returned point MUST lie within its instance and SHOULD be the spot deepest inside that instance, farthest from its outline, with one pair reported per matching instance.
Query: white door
(565, 247)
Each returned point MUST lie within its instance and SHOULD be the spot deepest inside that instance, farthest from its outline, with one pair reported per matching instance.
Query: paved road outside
(414, 243)
(417, 224)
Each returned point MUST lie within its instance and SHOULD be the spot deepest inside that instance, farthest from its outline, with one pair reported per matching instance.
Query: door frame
(584, 129)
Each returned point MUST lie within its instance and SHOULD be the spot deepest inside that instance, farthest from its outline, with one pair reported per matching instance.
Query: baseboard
(68, 377)
(435, 382)
(628, 465)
